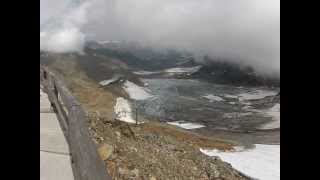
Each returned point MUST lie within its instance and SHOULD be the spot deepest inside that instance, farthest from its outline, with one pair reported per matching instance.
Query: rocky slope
(147, 151)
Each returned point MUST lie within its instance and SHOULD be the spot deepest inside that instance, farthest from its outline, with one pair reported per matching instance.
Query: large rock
(105, 150)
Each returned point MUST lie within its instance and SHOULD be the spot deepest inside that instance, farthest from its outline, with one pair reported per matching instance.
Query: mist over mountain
(245, 32)
(102, 58)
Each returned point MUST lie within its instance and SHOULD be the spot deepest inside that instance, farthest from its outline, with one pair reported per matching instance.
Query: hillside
(151, 150)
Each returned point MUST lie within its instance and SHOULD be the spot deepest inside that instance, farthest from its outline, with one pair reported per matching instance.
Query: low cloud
(246, 32)
(63, 40)
(62, 32)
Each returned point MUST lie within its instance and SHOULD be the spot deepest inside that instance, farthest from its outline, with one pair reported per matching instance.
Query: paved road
(55, 161)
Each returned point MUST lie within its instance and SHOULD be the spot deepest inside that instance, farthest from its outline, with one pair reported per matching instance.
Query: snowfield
(262, 162)
(136, 92)
(186, 125)
(123, 110)
(212, 98)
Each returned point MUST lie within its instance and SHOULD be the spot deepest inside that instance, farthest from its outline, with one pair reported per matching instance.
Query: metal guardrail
(86, 162)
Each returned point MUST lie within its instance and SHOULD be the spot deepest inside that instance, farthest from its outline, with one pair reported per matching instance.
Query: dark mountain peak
(222, 71)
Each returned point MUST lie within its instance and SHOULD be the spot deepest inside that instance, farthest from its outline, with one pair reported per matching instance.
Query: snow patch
(136, 92)
(109, 42)
(247, 104)
(230, 96)
(186, 125)
(108, 81)
(257, 94)
(262, 162)
(145, 72)
(274, 112)
(184, 69)
(212, 98)
(123, 110)
(235, 115)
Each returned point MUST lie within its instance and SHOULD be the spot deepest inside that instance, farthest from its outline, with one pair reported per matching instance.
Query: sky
(242, 31)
